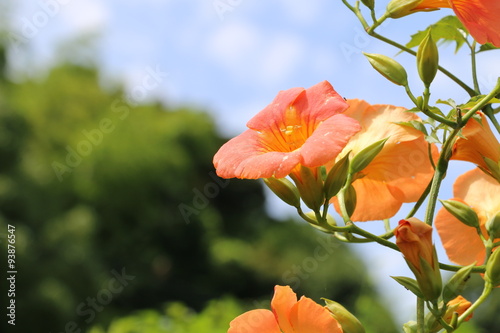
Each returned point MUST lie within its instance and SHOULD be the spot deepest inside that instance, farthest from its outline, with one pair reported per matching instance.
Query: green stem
(424, 107)
(474, 67)
(490, 113)
(481, 104)
(486, 292)
(442, 164)
(420, 201)
(453, 268)
(420, 315)
(455, 79)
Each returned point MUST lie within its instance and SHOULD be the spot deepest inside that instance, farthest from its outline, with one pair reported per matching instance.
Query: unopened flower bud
(492, 274)
(414, 239)
(462, 212)
(369, 3)
(336, 177)
(427, 59)
(493, 226)
(349, 323)
(400, 8)
(285, 190)
(389, 68)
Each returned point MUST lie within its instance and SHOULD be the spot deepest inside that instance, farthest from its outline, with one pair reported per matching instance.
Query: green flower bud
(285, 190)
(389, 68)
(350, 200)
(492, 274)
(365, 156)
(427, 59)
(462, 212)
(336, 178)
(349, 323)
(493, 226)
(369, 3)
(400, 8)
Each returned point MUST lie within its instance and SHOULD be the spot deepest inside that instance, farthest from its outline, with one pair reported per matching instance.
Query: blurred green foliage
(118, 212)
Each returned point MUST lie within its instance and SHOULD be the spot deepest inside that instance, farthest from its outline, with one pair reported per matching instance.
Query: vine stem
(486, 292)
(420, 315)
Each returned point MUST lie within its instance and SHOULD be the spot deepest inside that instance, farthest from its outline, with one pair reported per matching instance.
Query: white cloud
(85, 16)
(251, 54)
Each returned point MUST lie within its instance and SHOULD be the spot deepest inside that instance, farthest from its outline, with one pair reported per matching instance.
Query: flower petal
(328, 140)
(245, 157)
(478, 142)
(262, 321)
(306, 316)
(479, 190)
(461, 242)
(374, 200)
(480, 17)
(283, 301)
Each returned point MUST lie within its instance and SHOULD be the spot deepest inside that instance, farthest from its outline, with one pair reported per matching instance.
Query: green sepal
(336, 178)
(492, 274)
(284, 189)
(349, 323)
(493, 226)
(389, 68)
(462, 212)
(310, 188)
(409, 284)
(410, 327)
(364, 157)
(493, 168)
(455, 286)
(430, 281)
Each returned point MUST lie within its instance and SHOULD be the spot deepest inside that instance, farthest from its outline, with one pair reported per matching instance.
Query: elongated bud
(456, 285)
(492, 274)
(350, 200)
(427, 59)
(493, 226)
(349, 323)
(462, 212)
(400, 8)
(310, 187)
(365, 156)
(389, 68)
(336, 178)
(285, 190)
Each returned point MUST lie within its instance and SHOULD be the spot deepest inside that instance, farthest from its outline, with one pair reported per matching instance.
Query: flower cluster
(315, 149)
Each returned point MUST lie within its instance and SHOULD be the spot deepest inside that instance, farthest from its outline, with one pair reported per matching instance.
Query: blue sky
(233, 62)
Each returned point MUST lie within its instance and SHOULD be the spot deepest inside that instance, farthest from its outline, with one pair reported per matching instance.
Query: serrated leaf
(448, 29)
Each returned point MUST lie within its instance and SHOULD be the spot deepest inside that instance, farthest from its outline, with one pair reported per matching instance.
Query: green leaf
(418, 125)
(487, 47)
(448, 29)
(409, 284)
